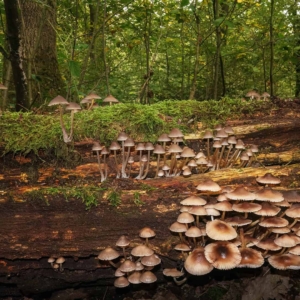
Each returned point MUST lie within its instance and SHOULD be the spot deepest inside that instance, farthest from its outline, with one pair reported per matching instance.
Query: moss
(28, 132)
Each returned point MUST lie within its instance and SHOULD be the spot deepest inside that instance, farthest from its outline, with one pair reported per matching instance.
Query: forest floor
(276, 132)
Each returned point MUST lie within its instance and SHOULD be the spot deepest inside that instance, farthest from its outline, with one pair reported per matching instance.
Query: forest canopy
(144, 51)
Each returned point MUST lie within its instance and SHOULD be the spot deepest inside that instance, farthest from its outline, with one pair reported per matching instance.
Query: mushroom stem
(147, 167)
(113, 264)
(180, 282)
(105, 167)
(116, 162)
(220, 158)
(99, 165)
(141, 166)
(157, 166)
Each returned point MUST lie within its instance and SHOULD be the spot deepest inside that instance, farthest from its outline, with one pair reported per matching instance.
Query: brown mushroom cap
(135, 277)
(208, 186)
(268, 209)
(178, 227)
(141, 250)
(185, 218)
(287, 240)
(268, 194)
(110, 99)
(250, 258)
(238, 221)
(193, 201)
(58, 100)
(285, 261)
(246, 207)
(197, 264)
(127, 266)
(268, 244)
(121, 282)
(172, 273)
(182, 247)
(240, 193)
(268, 178)
(223, 255)
(193, 232)
(146, 232)
(123, 241)
(293, 211)
(220, 230)
(108, 254)
(151, 260)
(175, 133)
(291, 196)
(274, 222)
(148, 277)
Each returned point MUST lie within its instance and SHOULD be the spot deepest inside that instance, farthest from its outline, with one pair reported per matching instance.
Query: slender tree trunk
(196, 65)
(182, 61)
(106, 71)
(264, 68)
(296, 27)
(272, 3)
(13, 37)
(218, 50)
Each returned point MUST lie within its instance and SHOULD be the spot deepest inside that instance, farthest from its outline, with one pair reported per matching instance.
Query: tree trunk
(196, 65)
(296, 26)
(271, 48)
(218, 50)
(15, 55)
(39, 50)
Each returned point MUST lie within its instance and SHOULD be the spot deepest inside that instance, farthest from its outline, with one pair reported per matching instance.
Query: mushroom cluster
(63, 104)
(222, 150)
(235, 227)
(135, 268)
(56, 264)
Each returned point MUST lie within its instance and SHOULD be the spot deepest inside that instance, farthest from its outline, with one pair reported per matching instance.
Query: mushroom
(97, 147)
(109, 254)
(197, 264)
(110, 99)
(51, 261)
(60, 261)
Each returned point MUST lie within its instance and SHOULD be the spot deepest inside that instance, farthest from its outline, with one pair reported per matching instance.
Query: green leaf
(218, 21)
(74, 68)
(184, 3)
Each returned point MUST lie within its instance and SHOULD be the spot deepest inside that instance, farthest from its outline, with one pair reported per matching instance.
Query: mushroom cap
(122, 136)
(121, 282)
(110, 99)
(119, 273)
(253, 94)
(193, 201)
(123, 241)
(194, 232)
(220, 230)
(187, 152)
(208, 186)
(148, 277)
(151, 260)
(268, 194)
(178, 227)
(238, 221)
(198, 211)
(208, 134)
(164, 138)
(274, 222)
(135, 277)
(223, 206)
(240, 193)
(295, 250)
(127, 266)
(185, 218)
(146, 232)
(291, 196)
(2, 87)
(293, 211)
(97, 147)
(114, 146)
(108, 254)
(182, 247)
(139, 266)
(223, 255)
(268, 209)
(172, 273)
(174, 148)
(287, 240)
(149, 146)
(159, 149)
(268, 178)
(58, 100)
(250, 258)
(197, 264)
(60, 260)
(175, 133)
(51, 260)
(285, 261)
(141, 250)
(246, 207)
(268, 244)
(73, 106)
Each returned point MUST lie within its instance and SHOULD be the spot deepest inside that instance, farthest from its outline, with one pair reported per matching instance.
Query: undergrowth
(89, 195)
(28, 132)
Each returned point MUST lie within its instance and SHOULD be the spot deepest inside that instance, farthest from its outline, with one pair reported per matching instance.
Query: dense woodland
(147, 50)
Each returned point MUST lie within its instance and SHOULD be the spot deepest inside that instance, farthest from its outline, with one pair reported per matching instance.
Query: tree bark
(38, 23)
(272, 4)
(15, 54)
